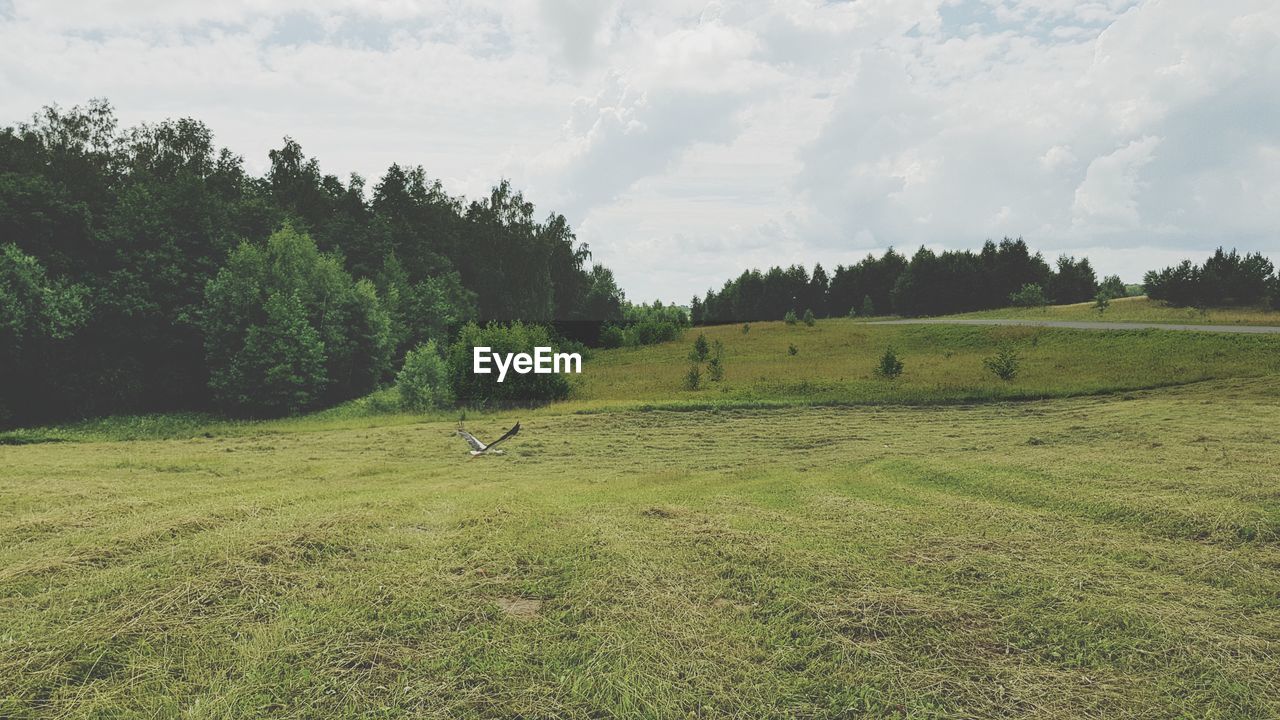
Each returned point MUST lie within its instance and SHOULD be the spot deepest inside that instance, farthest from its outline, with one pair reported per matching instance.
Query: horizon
(685, 151)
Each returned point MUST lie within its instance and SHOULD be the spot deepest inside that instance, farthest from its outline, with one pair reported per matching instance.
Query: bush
(746, 328)
(1030, 295)
(790, 317)
(693, 378)
(809, 319)
(652, 332)
(890, 365)
(1004, 364)
(612, 336)
(423, 382)
(1101, 301)
(715, 366)
(516, 390)
(700, 348)
(792, 350)
(653, 324)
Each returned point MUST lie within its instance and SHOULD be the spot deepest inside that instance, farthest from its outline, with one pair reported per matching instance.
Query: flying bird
(478, 448)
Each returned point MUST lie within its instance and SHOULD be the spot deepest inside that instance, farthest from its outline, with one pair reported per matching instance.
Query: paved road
(1085, 325)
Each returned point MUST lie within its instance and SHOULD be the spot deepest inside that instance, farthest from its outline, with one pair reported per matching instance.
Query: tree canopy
(130, 233)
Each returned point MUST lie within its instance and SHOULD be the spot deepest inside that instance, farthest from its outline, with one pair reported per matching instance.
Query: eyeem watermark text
(542, 362)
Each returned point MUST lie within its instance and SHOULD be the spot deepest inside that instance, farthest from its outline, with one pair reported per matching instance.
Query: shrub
(868, 307)
(516, 390)
(1101, 301)
(746, 328)
(715, 369)
(693, 378)
(423, 382)
(612, 336)
(1030, 295)
(715, 366)
(1004, 364)
(890, 365)
(791, 350)
(790, 317)
(700, 348)
(809, 319)
(652, 332)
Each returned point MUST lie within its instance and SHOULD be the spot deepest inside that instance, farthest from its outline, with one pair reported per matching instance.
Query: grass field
(835, 359)
(1138, 309)
(1113, 555)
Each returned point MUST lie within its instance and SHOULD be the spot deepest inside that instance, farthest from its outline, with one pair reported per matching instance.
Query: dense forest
(925, 284)
(999, 275)
(144, 269)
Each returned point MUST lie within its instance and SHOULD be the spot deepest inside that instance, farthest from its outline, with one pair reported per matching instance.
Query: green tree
(715, 365)
(37, 316)
(281, 369)
(1004, 364)
(423, 382)
(890, 365)
(1029, 296)
(352, 326)
(1101, 301)
(700, 348)
(693, 378)
(809, 319)
(1113, 286)
(1073, 282)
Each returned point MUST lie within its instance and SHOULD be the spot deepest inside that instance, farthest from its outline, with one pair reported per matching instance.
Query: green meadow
(1097, 538)
(835, 359)
(1138, 309)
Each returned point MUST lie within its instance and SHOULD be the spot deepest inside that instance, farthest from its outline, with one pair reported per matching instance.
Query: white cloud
(687, 139)
(1108, 197)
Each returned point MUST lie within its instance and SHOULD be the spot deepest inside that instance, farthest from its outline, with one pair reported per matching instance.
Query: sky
(687, 141)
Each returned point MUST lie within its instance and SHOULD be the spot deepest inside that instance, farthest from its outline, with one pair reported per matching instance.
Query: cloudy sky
(688, 140)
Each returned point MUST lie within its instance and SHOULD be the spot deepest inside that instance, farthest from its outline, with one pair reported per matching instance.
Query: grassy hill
(1138, 309)
(834, 364)
(802, 539)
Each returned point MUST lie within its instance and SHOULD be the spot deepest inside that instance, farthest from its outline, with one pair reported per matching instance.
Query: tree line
(1225, 278)
(926, 284)
(144, 269)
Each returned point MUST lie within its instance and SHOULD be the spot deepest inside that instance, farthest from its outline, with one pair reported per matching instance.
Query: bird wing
(506, 435)
(472, 441)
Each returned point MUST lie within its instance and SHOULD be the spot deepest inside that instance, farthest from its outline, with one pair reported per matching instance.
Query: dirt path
(1085, 325)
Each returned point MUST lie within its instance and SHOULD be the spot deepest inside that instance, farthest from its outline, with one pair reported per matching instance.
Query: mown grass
(833, 366)
(1113, 556)
(1137, 309)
